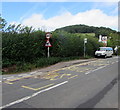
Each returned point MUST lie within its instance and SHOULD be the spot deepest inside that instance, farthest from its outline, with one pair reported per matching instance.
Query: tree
(2, 23)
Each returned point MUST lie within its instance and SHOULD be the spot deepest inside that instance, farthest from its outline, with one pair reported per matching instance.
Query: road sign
(48, 35)
(85, 40)
(48, 44)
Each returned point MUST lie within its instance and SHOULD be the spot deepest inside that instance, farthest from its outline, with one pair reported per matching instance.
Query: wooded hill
(87, 29)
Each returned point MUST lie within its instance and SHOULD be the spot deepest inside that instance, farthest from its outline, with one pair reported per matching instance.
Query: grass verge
(19, 67)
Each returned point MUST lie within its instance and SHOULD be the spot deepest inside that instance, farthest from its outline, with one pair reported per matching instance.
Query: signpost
(48, 36)
(103, 39)
(85, 41)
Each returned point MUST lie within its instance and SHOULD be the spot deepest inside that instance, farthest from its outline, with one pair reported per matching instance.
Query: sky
(49, 16)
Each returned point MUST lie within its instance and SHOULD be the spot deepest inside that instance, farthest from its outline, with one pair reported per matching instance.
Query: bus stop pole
(48, 52)
(84, 49)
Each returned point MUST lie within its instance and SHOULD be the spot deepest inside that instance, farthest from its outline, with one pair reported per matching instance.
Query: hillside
(86, 29)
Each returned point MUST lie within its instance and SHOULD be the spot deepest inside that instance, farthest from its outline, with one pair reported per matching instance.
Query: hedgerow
(25, 47)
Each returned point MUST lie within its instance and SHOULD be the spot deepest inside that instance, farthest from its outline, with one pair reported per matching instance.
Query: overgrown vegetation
(23, 48)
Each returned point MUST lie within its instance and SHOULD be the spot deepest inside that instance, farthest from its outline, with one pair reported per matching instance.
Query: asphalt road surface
(92, 84)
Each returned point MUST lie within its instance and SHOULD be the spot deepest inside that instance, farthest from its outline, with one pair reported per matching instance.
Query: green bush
(41, 62)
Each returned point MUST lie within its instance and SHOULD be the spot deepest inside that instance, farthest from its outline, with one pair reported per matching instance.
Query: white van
(104, 52)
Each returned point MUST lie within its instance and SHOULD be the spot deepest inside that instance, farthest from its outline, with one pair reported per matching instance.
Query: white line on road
(95, 69)
(33, 72)
(12, 77)
(99, 68)
(33, 95)
(23, 75)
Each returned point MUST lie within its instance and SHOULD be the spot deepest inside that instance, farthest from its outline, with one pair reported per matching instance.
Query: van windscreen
(102, 49)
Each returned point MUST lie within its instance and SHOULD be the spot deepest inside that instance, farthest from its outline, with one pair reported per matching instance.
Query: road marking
(64, 68)
(11, 77)
(64, 75)
(16, 79)
(28, 76)
(53, 79)
(60, 76)
(72, 76)
(51, 76)
(35, 89)
(22, 75)
(95, 69)
(33, 95)
(33, 72)
(8, 82)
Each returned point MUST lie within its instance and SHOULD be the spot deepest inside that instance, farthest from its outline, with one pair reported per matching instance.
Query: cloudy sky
(51, 15)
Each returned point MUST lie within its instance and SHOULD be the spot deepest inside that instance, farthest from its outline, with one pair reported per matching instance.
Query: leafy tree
(2, 23)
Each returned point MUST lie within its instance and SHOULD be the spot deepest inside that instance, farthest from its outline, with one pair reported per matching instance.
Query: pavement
(90, 83)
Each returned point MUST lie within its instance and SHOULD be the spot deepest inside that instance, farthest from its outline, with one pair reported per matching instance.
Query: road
(91, 84)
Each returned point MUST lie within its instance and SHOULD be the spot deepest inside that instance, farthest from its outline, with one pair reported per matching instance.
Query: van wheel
(105, 56)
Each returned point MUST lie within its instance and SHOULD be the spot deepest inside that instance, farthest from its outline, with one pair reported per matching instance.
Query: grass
(38, 63)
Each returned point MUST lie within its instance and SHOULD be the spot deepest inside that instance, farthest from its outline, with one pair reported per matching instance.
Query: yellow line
(35, 89)
(69, 67)
(8, 82)
(72, 76)
(18, 78)
(44, 86)
(64, 75)
(53, 79)
(28, 88)
(14, 79)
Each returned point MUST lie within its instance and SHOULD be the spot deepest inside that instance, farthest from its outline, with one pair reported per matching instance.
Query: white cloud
(91, 17)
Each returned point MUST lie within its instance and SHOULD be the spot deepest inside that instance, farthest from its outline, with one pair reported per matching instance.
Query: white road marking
(33, 72)
(100, 68)
(12, 77)
(21, 75)
(33, 95)
(95, 69)
(24, 75)
(38, 73)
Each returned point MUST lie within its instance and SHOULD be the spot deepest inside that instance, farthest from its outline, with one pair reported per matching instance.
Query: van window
(101, 49)
(110, 49)
(104, 49)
